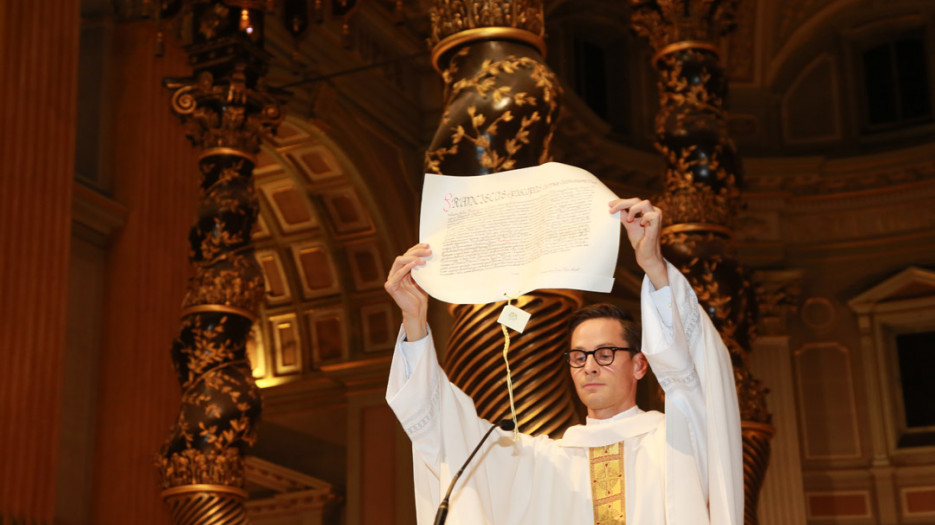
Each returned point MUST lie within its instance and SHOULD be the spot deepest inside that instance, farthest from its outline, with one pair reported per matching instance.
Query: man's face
(606, 390)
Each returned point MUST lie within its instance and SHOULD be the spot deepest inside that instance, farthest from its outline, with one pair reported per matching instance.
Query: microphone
(442, 513)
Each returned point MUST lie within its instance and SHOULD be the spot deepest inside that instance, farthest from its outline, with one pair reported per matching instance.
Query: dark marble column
(225, 114)
(701, 194)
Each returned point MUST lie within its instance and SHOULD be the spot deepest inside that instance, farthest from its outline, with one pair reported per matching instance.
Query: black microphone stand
(442, 514)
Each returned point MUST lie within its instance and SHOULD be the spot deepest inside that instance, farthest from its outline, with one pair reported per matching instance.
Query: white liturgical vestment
(681, 468)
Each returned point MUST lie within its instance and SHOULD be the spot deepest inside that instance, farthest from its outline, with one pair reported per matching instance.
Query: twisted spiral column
(198, 504)
(225, 114)
(756, 448)
(540, 378)
(701, 195)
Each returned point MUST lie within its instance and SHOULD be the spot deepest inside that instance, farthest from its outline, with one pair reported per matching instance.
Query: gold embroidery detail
(608, 486)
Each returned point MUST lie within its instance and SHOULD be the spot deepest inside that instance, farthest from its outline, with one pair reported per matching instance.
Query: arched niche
(323, 245)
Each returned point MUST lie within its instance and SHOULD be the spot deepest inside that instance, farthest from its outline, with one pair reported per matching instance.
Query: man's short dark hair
(631, 329)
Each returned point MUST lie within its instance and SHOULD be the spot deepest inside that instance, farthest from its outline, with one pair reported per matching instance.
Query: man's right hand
(412, 300)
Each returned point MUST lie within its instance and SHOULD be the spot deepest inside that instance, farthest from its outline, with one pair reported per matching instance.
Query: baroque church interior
(807, 221)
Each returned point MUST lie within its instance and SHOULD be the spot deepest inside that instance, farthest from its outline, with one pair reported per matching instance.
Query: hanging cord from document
(509, 378)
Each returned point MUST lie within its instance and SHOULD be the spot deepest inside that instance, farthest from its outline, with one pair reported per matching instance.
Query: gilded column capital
(225, 113)
(672, 25)
(459, 22)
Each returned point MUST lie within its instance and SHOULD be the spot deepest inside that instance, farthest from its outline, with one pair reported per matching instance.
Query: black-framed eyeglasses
(602, 356)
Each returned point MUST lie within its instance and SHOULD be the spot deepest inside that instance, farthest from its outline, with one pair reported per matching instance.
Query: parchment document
(505, 234)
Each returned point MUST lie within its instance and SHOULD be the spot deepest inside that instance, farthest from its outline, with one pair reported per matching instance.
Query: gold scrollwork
(183, 100)
(215, 114)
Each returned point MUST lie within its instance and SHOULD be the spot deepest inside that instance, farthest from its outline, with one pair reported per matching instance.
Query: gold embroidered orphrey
(608, 486)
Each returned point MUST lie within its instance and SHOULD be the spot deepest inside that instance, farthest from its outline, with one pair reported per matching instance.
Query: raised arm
(411, 299)
(693, 366)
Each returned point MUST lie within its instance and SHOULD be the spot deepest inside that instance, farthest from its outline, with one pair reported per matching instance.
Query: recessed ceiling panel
(316, 163)
(346, 212)
(289, 205)
(260, 229)
(287, 348)
(366, 266)
(274, 276)
(328, 335)
(287, 134)
(379, 327)
(316, 270)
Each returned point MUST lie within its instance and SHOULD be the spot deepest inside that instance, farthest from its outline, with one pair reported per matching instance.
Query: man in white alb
(624, 465)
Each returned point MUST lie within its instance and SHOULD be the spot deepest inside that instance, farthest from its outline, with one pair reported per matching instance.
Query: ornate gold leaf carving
(497, 102)
(225, 113)
(194, 467)
(665, 22)
(235, 280)
(452, 16)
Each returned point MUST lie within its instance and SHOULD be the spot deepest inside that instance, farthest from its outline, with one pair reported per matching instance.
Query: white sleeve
(666, 345)
(443, 425)
(702, 416)
(662, 299)
(412, 350)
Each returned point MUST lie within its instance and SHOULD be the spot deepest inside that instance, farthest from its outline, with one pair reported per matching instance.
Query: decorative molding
(903, 303)
(370, 315)
(348, 216)
(917, 502)
(366, 265)
(833, 102)
(822, 177)
(327, 337)
(819, 314)
(913, 282)
(96, 211)
(296, 493)
(833, 505)
(256, 351)
(316, 162)
(845, 395)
